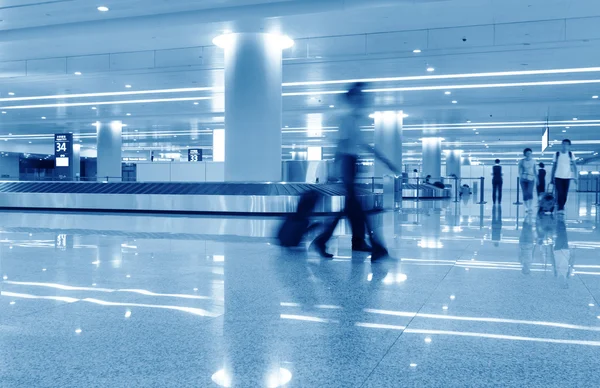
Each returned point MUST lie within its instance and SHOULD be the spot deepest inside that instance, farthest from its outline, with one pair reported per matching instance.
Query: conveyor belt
(267, 198)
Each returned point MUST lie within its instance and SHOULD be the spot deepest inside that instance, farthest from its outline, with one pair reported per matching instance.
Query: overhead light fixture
(430, 69)
(196, 103)
(94, 108)
(468, 121)
(128, 86)
(3, 112)
(454, 102)
(43, 117)
(474, 129)
(103, 8)
(11, 93)
(128, 114)
(594, 97)
(448, 76)
(73, 104)
(575, 119)
(77, 73)
(417, 51)
(447, 93)
(332, 106)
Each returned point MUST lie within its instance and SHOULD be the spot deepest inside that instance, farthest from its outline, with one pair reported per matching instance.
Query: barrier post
(481, 192)
(518, 192)
(456, 196)
(597, 191)
(372, 184)
(418, 188)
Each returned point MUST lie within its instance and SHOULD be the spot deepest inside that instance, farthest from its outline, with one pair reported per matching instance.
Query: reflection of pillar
(432, 157)
(453, 161)
(388, 139)
(431, 227)
(252, 107)
(109, 150)
(76, 161)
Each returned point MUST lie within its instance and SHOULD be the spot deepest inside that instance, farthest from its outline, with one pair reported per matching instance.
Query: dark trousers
(527, 187)
(562, 191)
(352, 209)
(497, 191)
(541, 188)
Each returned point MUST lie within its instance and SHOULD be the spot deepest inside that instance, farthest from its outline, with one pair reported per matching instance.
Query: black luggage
(547, 202)
(296, 225)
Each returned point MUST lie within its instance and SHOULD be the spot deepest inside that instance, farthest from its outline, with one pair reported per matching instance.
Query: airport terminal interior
(172, 172)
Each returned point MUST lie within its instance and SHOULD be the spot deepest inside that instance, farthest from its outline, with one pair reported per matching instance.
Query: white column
(252, 107)
(388, 139)
(432, 157)
(109, 144)
(453, 162)
(76, 161)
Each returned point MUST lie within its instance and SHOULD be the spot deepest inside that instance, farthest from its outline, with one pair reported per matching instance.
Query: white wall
(180, 172)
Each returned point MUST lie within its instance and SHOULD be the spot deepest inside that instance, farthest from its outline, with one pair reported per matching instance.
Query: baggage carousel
(200, 198)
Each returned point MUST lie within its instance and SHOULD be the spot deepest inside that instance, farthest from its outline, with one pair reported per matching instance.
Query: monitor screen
(546, 139)
(62, 162)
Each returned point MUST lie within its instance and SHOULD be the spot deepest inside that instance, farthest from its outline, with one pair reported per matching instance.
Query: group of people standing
(533, 175)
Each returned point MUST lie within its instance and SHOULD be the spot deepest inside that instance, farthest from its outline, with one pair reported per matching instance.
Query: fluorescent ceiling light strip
(312, 93)
(447, 76)
(74, 104)
(476, 125)
(109, 94)
(482, 86)
(590, 125)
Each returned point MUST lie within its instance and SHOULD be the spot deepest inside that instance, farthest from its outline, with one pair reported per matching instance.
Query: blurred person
(497, 182)
(541, 183)
(563, 171)
(527, 178)
(350, 144)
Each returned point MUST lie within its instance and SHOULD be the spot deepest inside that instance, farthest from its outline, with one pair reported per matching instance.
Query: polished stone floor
(478, 296)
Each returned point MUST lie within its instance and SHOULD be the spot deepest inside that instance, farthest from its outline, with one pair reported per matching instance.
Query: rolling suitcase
(296, 225)
(547, 202)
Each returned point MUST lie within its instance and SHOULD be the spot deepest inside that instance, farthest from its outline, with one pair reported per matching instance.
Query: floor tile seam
(412, 319)
(597, 302)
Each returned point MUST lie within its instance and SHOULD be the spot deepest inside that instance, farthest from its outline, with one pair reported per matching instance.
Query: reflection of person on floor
(350, 144)
(563, 262)
(496, 225)
(526, 246)
(545, 230)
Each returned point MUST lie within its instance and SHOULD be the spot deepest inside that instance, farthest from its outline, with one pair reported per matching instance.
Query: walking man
(349, 145)
(497, 182)
(563, 171)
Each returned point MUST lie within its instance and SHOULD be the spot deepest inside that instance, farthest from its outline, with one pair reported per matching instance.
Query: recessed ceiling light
(332, 106)
(477, 133)
(594, 97)
(128, 114)
(564, 130)
(77, 73)
(574, 118)
(447, 93)
(103, 8)
(3, 112)
(11, 93)
(196, 103)
(94, 108)
(128, 86)
(43, 117)
(454, 102)
(417, 51)
(430, 69)
(567, 127)
(468, 121)
(474, 129)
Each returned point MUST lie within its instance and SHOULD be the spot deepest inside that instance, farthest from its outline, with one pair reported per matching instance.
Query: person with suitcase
(528, 176)
(541, 185)
(350, 144)
(298, 224)
(563, 171)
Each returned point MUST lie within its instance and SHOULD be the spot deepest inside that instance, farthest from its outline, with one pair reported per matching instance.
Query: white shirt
(563, 166)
